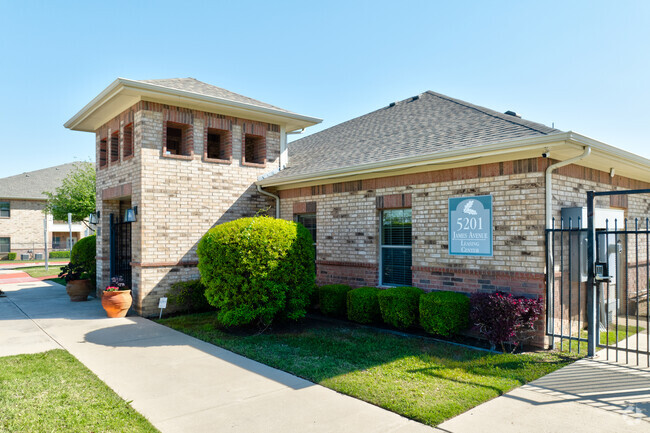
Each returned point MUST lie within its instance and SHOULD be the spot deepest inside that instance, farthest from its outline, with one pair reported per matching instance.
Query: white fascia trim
(620, 154)
(93, 105)
(451, 156)
(118, 84)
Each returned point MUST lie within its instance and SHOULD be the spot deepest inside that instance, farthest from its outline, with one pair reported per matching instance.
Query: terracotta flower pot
(78, 290)
(117, 303)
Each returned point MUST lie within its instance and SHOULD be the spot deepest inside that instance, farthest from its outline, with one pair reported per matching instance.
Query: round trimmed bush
(333, 299)
(84, 254)
(363, 305)
(444, 313)
(257, 269)
(399, 306)
(189, 296)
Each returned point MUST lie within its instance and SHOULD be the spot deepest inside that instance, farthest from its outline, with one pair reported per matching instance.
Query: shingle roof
(31, 185)
(199, 87)
(425, 124)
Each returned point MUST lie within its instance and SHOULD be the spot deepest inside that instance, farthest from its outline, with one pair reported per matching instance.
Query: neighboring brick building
(21, 213)
(395, 168)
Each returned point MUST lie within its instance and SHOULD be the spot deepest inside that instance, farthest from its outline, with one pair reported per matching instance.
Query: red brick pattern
(253, 150)
(304, 207)
(531, 165)
(350, 273)
(394, 201)
(476, 280)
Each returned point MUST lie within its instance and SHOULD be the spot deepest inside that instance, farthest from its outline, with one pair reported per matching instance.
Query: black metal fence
(598, 284)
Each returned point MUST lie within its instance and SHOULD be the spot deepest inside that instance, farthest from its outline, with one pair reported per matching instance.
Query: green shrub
(59, 254)
(444, 313)
(257, 269)
(363, 305)
(84, 255)
(333, 299)
(189, 296)
(11, 256)
(399, 306)
(313, 298)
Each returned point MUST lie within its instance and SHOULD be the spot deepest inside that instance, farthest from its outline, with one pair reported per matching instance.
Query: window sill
(182, 157)
(253, 164)
(126, 158)
(217, 161)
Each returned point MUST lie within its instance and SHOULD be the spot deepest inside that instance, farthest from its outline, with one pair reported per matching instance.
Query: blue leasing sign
(470, 226)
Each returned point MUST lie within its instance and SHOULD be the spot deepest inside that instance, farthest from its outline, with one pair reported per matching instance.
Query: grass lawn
(58, 281)
(421, 379)
(53, 392)
(39, 271)
(615, 334)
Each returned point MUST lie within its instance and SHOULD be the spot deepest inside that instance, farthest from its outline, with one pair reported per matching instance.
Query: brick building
(21, 214)
(375, 190)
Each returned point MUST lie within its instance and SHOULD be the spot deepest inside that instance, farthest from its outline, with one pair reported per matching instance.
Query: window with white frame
(395, 254)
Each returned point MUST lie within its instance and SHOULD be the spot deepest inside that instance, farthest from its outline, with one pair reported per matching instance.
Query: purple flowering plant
(503, 319)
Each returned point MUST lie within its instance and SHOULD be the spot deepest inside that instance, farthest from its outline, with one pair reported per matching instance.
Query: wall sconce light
(93, 218)
(129, 215)
(612, 172)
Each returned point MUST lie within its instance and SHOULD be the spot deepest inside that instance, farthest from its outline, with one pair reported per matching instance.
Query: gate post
(592, 298)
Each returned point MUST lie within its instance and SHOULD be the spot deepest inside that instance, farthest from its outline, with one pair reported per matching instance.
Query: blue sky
(583, 65)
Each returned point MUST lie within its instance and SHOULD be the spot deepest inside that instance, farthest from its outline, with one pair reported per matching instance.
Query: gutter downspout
(549, 182)
(277, 200)
(550, 266)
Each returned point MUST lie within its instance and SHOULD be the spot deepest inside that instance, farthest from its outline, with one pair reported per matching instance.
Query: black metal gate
(598, 270)
(120, 249)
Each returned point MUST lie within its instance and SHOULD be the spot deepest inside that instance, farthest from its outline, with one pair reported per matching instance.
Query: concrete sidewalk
(185, 385)
(179, 383)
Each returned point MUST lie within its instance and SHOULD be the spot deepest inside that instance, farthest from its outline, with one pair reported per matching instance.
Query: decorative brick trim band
(185, 264)
(487, 273)
(394, 201)
(304, 207)
(348, 264)
(505, 168)
(118, 191)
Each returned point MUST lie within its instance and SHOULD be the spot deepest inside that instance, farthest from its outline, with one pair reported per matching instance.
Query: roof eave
(573, 140)
(135, 91)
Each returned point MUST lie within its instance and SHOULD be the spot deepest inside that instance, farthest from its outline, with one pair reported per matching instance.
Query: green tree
(76, 195)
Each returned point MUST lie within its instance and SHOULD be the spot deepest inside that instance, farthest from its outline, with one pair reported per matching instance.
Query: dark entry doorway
(120, 249)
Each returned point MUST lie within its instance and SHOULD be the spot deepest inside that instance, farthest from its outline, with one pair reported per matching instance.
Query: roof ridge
(480, 109)
(42, 169)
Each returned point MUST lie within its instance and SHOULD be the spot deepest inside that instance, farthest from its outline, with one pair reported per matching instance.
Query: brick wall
(348, 224)
(24, 227)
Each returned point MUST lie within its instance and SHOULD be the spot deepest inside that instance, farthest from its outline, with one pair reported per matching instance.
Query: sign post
(162, 304)
(470, 226)
(45, 238)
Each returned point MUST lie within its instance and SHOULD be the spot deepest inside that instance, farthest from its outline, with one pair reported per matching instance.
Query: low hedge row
(438, 313)
(59, 254)
(11, 256)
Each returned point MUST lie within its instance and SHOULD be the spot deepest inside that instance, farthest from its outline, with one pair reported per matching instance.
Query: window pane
(396, 266)
(396, 227)
(5, 245)
(309, 221)
(4, 209)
